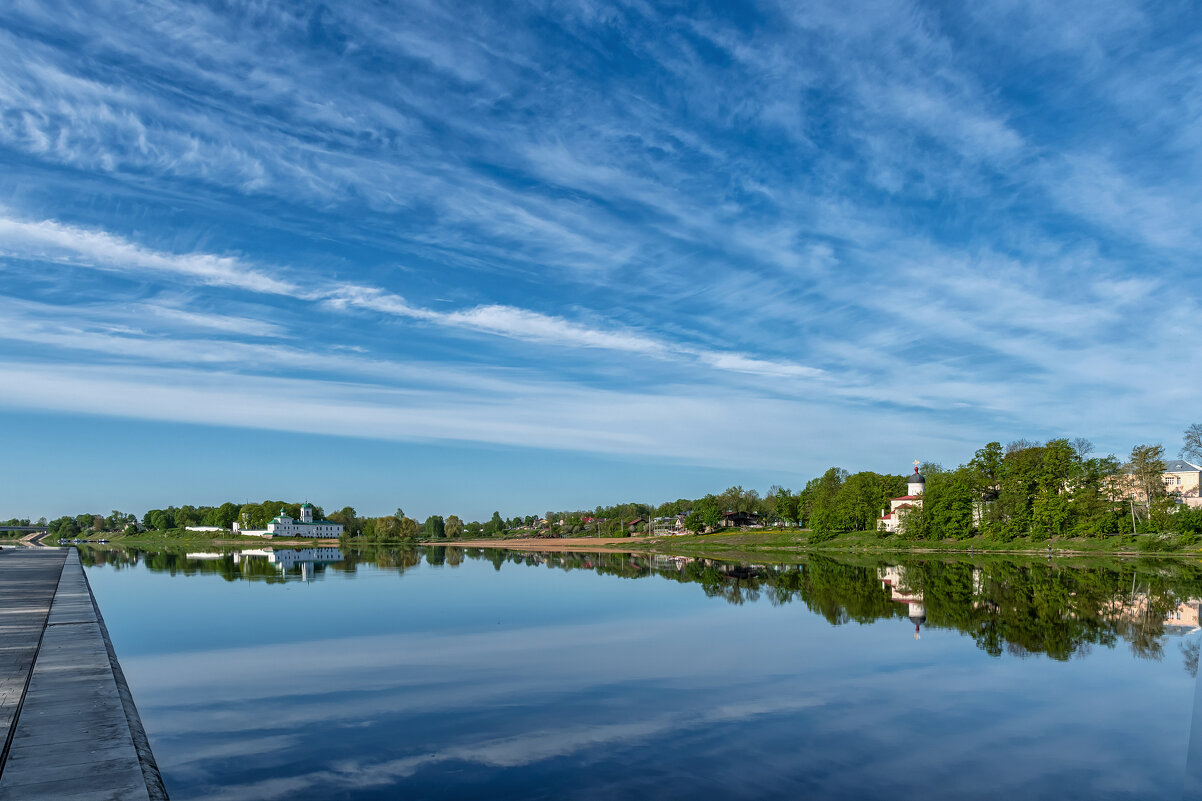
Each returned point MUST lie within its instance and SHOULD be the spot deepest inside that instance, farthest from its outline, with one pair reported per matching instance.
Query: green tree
(454, 526)
(407, 528)
(695, 522)
(1052, 503)
(495, 526)
(824, 502)
(785, 505)
(1022, 467)
(1146, 468)
(711, 511)
(435, 527)
(1095, 510)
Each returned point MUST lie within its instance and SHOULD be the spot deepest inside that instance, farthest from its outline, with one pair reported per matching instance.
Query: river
(446, 673)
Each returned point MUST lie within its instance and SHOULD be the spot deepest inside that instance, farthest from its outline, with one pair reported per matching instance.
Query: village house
(740, 520)
(668, 526)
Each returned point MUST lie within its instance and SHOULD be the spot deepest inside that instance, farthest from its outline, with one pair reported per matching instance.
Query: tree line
(1023, 489)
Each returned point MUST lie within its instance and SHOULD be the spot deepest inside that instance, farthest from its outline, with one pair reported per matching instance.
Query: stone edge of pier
(150, 768)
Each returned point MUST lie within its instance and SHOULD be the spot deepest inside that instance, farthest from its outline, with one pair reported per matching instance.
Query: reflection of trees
(1019, 607)
(1005, 605)
(1189, 650)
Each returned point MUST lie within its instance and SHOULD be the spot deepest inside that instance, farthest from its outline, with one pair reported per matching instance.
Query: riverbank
(756, 545)
(782, 544)
(179, 538)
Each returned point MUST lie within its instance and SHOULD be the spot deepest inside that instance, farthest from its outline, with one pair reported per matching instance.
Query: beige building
(1184, 480)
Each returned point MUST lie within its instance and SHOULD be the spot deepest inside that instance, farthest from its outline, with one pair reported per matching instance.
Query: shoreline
(734, 546)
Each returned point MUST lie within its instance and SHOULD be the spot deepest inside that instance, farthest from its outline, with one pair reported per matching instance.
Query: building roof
(306, 505)
(906, 498)
(916, 478)
(1181, 466)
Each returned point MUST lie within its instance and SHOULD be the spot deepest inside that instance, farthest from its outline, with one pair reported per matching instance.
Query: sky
(524, 257)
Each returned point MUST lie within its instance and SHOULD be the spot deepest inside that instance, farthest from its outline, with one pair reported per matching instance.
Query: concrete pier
(71, 729)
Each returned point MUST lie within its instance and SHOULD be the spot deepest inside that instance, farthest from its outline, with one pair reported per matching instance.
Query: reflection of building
(1181, 618)
(899, 507)
(664, 562)
(284, 526)
(893, 578)
(286, 559)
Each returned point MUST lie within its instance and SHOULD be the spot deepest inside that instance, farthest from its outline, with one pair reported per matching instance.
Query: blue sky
(536, 256)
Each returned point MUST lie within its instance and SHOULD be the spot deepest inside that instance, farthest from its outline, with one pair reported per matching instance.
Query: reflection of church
(893, 578)
(285, 559)
(890, 521)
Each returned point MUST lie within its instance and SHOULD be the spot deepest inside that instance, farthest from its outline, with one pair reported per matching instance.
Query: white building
(890, 520)
(284, 526)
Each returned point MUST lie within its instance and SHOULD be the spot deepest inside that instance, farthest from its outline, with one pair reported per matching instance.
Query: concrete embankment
(70, 727)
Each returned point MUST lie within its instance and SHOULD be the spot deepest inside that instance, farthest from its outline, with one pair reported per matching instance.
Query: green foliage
(495, 526)
(711, 512)
(434, 527)
(947, 507)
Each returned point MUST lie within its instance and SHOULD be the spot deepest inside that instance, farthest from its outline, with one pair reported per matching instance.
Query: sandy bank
(535, 544)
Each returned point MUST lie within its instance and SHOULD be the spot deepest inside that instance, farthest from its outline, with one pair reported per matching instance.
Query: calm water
(488, 674)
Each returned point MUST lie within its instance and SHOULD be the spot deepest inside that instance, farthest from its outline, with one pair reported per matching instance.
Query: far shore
(755, 545)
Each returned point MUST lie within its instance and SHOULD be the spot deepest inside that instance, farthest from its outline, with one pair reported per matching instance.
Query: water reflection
(1030, 606)
(481, 673)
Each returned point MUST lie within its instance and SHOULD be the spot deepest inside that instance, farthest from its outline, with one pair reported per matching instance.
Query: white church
(284, 526)
(890, 520)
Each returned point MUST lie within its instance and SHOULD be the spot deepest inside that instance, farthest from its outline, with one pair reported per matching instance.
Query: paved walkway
(78, 736)
(28, 580)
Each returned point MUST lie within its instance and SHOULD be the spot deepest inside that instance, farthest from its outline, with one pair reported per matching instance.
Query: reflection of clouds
(352, 680)
(935, 714)
(192, 759)
(504, 752)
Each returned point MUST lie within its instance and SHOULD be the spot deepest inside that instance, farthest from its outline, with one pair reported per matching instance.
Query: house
(633, 525)
(1183, 480)
(740, 519)
(668, 526)
(899, 507)
(284, 526)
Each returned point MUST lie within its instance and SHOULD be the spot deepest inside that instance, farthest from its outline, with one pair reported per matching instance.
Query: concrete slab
(77, 733)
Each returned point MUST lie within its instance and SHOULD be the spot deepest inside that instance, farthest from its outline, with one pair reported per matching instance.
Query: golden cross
(915, 464)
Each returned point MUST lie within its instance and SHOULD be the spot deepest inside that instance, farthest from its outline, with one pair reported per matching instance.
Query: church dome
(917, 479)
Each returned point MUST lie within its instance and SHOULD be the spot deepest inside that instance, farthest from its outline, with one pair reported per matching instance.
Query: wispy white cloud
(53, 241)
(899, 208)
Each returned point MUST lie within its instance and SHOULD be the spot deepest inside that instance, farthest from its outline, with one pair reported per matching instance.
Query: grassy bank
(760, 544)
(777, 545)
(785, 544)
(179, 537)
